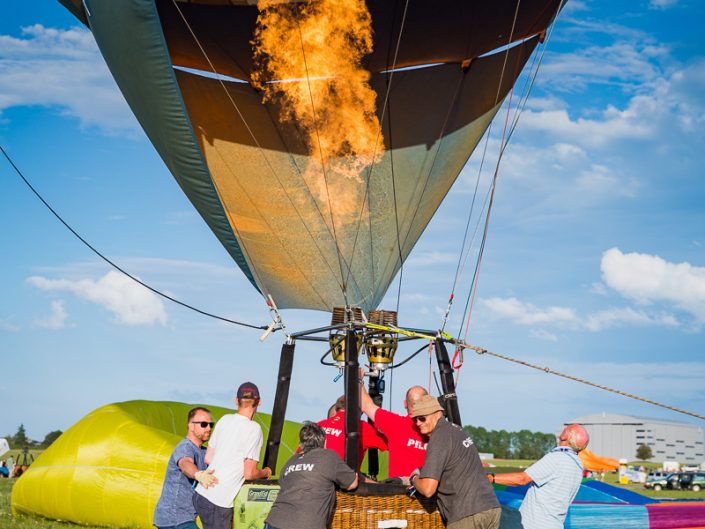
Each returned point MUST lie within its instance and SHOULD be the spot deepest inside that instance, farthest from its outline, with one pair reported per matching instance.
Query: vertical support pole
(352, 401)
(445, 370)
(372, 453)
(281, 398)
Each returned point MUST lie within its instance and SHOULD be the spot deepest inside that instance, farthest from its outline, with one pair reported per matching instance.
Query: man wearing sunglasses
(232, 456)
(186, 467)
(453, 469)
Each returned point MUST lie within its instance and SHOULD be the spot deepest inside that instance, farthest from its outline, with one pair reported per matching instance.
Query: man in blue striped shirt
(554, 479)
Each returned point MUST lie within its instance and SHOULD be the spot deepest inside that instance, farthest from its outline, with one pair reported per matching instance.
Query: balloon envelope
(244, 169)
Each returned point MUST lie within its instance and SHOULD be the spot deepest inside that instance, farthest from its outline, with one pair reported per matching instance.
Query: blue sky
(595, 261)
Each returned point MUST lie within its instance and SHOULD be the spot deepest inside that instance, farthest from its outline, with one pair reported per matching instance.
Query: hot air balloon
(318, 154)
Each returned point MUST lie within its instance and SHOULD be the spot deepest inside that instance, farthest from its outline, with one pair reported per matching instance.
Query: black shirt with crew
(453, 460)
(307, 496)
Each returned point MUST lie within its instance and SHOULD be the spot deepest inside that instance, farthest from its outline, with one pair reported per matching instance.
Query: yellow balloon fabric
(108, 469)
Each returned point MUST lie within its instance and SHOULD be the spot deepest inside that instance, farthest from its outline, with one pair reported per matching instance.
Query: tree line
(523, 444)
(20, 439)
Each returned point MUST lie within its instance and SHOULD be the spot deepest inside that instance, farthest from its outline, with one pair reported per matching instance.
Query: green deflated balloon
(109, 467)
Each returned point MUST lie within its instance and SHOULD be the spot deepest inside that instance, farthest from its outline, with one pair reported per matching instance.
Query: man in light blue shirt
(555, 480)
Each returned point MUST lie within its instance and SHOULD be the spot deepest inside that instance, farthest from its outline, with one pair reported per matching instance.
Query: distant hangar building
(619, 436)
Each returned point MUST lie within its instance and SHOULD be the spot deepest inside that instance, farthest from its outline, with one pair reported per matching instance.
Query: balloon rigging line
(374, 153)
(396, 212)
(464, 254)
(268, 163)
(112, 263)
(473, 284)
(344, 285)
(391, 164)
(506, 53)
(522, 104)
(520, 108)
(499, 88)
(470, 302)
(481, 351)
(261, 150)
(459, 269)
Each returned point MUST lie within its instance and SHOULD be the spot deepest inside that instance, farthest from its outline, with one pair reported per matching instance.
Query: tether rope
(460, 344)
(112, 263)
(258, 145)
(481, 351)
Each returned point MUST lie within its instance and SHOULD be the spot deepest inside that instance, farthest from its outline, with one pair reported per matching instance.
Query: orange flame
(309, 60)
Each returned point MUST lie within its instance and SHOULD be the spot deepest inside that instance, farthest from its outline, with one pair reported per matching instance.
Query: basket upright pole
(450, 398)
(372, 453)
(281, 398)
(352, 401)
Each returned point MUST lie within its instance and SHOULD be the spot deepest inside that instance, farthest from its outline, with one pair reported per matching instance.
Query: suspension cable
(112, 263)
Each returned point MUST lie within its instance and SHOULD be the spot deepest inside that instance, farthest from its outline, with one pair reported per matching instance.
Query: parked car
(669, 481)
(692, 480)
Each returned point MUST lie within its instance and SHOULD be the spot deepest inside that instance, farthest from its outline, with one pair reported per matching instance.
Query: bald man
(407, 447)
(554, 479)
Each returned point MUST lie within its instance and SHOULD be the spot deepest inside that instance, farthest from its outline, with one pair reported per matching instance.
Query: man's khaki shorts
(482, 520)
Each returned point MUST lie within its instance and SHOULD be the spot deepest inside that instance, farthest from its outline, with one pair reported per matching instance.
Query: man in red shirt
(407, 448)
(335, 433)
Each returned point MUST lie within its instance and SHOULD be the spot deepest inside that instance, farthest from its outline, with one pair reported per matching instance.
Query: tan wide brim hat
(426, 405)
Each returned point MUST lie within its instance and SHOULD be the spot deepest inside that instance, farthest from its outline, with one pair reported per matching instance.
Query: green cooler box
(252, 505)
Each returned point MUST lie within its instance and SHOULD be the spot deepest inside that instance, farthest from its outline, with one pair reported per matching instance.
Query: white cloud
(603, 180)
(541, 334)
(62, 69)
(612, 125)
(616, 317)
(8, 326)
(625, 64)
(57, 319)
(131, 303)
(662, 4)
(648, 278)
(528, 314)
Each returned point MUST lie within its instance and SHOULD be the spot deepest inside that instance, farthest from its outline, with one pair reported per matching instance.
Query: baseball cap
(425, 405)
(248, 390)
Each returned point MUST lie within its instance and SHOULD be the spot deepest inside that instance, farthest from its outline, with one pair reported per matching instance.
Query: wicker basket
(354, 511)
